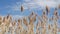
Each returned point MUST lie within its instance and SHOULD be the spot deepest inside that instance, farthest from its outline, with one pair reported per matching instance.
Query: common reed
(42, 25)
(47, 10)
(22, 8)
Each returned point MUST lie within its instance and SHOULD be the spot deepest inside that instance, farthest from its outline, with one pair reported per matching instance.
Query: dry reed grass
(17, 26)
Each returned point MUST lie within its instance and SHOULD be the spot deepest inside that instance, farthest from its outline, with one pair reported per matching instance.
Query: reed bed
(7, 25)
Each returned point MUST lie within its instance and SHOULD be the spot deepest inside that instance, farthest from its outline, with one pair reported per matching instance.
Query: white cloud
(48, 3)
(27, 0)
(16, 8)
(34, 4)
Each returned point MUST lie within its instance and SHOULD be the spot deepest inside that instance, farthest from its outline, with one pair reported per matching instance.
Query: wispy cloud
(34, 4)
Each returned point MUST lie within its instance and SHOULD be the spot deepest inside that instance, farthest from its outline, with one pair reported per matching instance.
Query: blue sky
(13, 6)
(5, 6)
